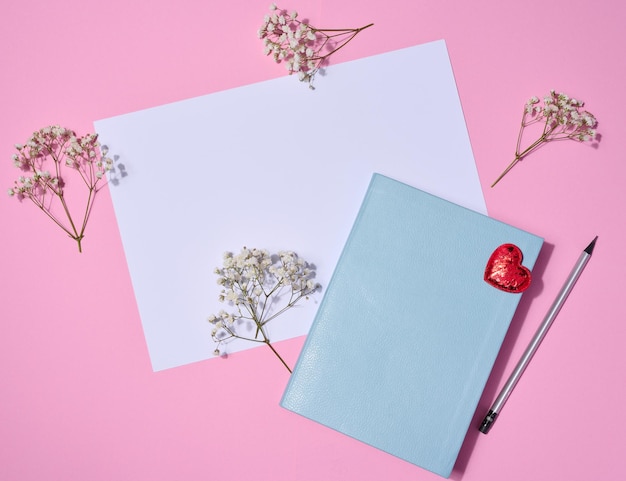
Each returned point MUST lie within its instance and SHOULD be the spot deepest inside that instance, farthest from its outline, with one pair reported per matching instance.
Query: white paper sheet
(278, 166)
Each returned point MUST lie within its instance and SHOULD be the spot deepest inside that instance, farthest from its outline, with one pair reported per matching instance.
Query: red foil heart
(505, 271)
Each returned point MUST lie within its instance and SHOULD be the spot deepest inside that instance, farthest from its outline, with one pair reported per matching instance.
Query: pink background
(78, 399)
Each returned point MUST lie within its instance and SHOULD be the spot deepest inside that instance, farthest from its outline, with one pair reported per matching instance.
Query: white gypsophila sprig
(563, 118)
(44, 159)
(259, 286)
(303, 49)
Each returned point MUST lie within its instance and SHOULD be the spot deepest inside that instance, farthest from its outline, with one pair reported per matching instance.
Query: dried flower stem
(303, 48)
(254, 282)
(563, 120)
(351, 32)
(520, 155)
(265, 340)
(61, 146)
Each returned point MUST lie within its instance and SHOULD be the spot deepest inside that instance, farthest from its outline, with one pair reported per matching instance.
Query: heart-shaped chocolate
(505, 271)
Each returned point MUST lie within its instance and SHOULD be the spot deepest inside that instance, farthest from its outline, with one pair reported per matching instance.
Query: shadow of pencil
(498, 372)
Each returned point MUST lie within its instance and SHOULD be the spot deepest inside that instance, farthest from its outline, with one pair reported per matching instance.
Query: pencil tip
(485, 426)
(590, 247)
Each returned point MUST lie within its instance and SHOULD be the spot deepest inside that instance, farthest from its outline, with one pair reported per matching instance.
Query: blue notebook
(408, 330)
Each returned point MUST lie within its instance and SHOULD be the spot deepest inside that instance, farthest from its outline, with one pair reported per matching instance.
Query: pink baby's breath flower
(57, 147)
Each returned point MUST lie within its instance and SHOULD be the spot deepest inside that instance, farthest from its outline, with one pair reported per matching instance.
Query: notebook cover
(408, 330)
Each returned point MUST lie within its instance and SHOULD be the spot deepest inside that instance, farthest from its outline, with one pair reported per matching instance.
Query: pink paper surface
(79, 398)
